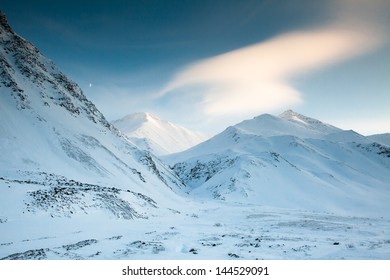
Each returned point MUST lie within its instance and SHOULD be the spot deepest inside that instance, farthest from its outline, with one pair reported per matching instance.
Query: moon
(90, 85)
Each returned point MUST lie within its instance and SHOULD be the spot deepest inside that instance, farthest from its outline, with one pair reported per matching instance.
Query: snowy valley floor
(203, 231)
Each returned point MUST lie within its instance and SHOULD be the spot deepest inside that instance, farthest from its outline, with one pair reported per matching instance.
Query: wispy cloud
(256, 78)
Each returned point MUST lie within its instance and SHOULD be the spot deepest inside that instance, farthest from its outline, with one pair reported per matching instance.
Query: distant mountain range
(289, 161)
(160, 137)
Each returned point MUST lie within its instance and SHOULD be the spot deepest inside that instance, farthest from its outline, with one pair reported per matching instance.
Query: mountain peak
(287, 123)
(308, 122)
(139, 118)
(145, 115)
(159, 136)
(4, 23)
(292, 115)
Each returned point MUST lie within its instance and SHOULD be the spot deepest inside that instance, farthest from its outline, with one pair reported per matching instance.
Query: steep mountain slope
(55, 144)
(290, 161)
(158, 136)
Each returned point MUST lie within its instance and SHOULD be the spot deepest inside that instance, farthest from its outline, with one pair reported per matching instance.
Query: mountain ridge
(274, 161)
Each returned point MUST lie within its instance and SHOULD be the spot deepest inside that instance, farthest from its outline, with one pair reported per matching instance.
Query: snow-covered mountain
(290, 161)
(55, 143)
(287, 123)
(73, 187)
(160, 137)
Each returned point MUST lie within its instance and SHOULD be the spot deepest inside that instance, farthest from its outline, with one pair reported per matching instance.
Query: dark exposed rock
(79, 244)
(38, 254)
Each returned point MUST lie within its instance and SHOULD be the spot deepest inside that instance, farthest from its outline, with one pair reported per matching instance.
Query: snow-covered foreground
(212, 230)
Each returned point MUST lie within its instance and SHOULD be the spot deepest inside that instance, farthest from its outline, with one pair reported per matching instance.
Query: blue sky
(210, 64)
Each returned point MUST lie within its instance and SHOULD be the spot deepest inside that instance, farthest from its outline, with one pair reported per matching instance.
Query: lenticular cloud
(256, 78)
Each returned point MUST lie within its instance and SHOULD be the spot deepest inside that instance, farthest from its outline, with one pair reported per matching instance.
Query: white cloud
(256, 78)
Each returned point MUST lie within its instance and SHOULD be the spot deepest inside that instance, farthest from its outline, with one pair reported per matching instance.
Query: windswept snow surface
(72, 187)
(160, 137)
(213, 230)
